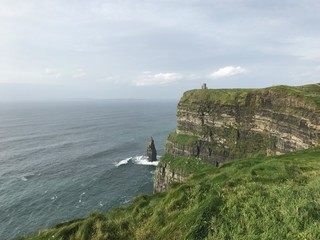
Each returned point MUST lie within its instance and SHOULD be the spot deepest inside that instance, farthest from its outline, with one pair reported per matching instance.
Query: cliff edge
(217, 125)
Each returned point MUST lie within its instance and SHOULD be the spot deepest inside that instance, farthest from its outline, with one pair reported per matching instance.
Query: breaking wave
(138, 160)
(27, 176)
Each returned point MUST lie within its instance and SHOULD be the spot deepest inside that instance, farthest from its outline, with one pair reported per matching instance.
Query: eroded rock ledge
(165, 176)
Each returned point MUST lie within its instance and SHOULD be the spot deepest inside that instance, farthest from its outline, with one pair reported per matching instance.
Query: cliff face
(165, 176)
(227, 124)
(220, 125)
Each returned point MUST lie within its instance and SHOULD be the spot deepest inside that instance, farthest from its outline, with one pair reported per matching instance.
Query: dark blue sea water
(63, 160)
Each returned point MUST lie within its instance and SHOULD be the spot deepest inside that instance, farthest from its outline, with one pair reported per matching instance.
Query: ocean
(63, 160)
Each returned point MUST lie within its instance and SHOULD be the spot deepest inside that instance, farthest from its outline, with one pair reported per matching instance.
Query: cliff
(220, 125)
(175, 169)
(165, 176)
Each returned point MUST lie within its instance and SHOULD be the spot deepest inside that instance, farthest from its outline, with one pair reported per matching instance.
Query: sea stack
(151, 151)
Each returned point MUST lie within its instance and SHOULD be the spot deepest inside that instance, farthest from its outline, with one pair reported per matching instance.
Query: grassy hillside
(259, 198)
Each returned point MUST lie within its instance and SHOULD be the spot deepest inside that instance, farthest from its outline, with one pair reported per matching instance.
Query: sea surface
(63, 160)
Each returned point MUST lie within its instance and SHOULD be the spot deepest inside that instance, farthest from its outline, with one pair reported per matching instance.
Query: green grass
(182, 139)
(309, 93)
(257, 198)
(221, 96)
(188, 165)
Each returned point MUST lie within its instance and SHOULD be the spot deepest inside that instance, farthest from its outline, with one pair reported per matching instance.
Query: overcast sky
(58, 49)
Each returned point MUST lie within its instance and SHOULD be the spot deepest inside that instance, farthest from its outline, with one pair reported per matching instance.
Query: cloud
(272, 39)
(228, 72)
(79, 73)
(52, 73)
(147, 78)
(20, 77)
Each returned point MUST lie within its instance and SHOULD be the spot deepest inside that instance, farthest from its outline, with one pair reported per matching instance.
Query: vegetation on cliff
(259, 198)
(225, 124)
(182, 139)
(187, 165)
(310, 93)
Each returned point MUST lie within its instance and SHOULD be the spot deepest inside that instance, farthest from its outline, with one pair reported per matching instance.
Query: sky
(154, 49)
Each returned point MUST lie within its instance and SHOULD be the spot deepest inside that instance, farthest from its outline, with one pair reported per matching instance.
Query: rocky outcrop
(221, 125)
(151, 151)
(165, 176)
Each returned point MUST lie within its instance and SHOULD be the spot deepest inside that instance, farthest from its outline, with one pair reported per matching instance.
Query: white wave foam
(23, 178)
(126, 201)
(122, 162)
(143, 160)
(138, 160)
(54, 197)
(81, 196)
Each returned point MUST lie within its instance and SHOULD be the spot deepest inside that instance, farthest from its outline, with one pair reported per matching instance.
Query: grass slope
(258, 198)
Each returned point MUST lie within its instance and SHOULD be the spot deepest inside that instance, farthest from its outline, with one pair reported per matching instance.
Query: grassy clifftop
(258, 198)
(310, 93)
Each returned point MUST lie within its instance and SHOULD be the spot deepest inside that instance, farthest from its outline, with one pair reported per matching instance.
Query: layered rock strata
(221, 125)
(165, 176)
(269, 121)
